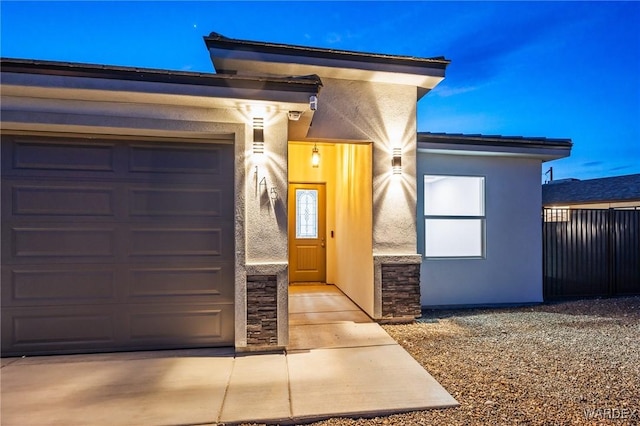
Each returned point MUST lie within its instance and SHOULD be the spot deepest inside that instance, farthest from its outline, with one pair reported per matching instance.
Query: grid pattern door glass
(306, 213)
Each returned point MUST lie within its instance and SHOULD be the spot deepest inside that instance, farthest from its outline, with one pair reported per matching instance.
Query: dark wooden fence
(590, 253)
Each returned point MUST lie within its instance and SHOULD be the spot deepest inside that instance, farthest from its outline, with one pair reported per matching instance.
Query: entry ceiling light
(294, 115)
(315, 156)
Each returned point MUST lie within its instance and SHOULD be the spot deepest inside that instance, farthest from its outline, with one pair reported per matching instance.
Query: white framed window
(454, 216)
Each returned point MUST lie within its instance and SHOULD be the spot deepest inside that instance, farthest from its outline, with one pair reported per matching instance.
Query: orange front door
(307, 227)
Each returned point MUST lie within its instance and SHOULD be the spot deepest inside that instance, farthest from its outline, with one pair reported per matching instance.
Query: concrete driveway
(339, 364)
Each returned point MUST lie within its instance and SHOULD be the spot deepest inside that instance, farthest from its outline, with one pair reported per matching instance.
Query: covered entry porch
(331, 218)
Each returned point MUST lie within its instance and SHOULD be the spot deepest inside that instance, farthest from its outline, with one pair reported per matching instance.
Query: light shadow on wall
(268, 170)
(384, 115)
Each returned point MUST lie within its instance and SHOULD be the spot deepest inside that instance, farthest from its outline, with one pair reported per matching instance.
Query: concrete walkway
(339, 363)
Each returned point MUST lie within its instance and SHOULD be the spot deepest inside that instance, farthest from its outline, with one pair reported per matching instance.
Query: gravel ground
(570, 363)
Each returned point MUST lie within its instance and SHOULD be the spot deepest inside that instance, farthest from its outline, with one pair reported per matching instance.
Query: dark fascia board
(217, 41)
(71, 69)
(493, 140)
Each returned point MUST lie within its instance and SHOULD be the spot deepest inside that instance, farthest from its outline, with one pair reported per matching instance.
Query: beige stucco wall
(354, 242)
(266, 217)
(384, 114)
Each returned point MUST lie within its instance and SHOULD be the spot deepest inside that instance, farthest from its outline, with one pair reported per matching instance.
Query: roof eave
(219, 42)
(91, 72)
(249, 57)
(542, 148)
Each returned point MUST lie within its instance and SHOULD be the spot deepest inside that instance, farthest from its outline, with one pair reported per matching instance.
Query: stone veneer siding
(401, 291)
(262, 310)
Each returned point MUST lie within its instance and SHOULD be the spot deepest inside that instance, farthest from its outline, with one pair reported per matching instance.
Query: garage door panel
(178, 323)
(181, 283)
(54, 200)
(114, 245)
(67, 241)
(95, 328)
(175, 241)
(45, 199)
(62, 156)
(165, 158)
(30, 285)
(171, 201)
(58, 327)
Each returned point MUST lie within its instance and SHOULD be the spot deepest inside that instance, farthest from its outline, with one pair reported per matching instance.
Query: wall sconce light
(315, 156)
(258, 135)
(396, 161)
(273, 193)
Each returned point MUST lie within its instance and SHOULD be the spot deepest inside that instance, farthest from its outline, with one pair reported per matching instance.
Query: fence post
(611, 252)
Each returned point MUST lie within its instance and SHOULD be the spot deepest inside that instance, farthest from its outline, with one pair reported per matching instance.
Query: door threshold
(309, 283)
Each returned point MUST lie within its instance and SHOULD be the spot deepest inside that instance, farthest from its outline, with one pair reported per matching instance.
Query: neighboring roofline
(571, 204)
(610, 189)
(543, 149)
(215, 40)
(310, 83)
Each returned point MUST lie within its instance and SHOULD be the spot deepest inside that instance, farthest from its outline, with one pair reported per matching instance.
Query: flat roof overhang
(544, 149)
(43, 84)
(242, 57)
(46, 77)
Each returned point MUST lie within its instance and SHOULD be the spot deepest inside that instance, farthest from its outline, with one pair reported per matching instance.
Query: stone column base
(262, 310)
(397, 281)
(267, 313)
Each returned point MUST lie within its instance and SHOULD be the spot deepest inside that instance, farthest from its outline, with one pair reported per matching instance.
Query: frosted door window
(306, 213)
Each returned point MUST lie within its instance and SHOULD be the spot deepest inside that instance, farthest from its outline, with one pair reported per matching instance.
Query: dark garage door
(116, 245)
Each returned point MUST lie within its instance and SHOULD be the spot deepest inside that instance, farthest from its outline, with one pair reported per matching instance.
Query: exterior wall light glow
(396, 161)
(258, 136)
(315, 156)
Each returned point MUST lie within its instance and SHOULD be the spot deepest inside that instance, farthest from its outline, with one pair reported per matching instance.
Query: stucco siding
(266, 213)
(384, 114)
(511, 271)
(354, 260)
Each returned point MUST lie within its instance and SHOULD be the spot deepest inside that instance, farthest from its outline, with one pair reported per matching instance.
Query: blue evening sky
(553, 69)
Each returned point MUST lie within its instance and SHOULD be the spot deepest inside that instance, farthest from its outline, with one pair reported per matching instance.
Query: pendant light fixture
(315, 156)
